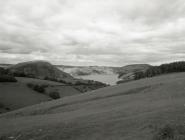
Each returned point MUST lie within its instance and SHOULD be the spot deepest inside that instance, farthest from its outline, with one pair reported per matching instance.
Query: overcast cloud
(92, 32)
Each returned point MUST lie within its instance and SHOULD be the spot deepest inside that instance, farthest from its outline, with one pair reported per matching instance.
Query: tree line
(162, 69)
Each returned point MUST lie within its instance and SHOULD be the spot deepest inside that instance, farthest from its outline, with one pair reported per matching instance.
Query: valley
(110, 79)
(129, 111)
(38, 101)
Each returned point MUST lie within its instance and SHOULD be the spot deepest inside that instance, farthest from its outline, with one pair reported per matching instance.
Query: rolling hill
(36, 82)
(146, 109)
(105, 74)
(127, 72)
(40, 70)
(46, 71)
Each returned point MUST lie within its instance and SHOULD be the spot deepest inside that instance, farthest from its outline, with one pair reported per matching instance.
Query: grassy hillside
(37, 82)
(46, 71)
(18, 95)
(40, 70)
(127, 73)
(147, 109)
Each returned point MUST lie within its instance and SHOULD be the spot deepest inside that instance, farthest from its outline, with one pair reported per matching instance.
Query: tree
(54, 95)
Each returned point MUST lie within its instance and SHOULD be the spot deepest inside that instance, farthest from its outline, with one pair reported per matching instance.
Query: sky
(92, 32)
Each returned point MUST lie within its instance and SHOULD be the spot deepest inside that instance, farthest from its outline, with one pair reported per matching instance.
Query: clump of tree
(123, 81)
(42, 89)
(58, 80)
(162, 69)
(89, 82)
(54, 95)
(87, 85)
(38, 88)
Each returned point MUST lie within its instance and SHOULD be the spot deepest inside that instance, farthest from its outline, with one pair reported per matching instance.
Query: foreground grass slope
(131, 111)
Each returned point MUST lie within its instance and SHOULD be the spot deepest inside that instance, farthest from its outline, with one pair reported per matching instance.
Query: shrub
(54, 95)
(38, 88)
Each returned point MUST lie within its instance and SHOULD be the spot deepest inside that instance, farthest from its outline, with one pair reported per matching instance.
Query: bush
(54, 95)
(7, 78)
(38, 88)
(41, 89)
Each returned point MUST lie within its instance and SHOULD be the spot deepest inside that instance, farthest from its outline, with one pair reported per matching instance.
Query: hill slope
(127, 73)
(39, 69)
(38, 81)
(130, 111)
(18, 95)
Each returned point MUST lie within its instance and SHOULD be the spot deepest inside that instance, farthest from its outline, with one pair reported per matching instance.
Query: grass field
(131, 111)
(17, 95)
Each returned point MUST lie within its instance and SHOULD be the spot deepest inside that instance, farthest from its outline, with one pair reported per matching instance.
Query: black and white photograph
(92, 69)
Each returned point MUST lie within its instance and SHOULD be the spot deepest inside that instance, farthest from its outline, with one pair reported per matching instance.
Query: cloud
(92, 32)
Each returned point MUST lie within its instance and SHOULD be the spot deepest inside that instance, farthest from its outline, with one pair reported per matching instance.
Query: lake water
(110, 79)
